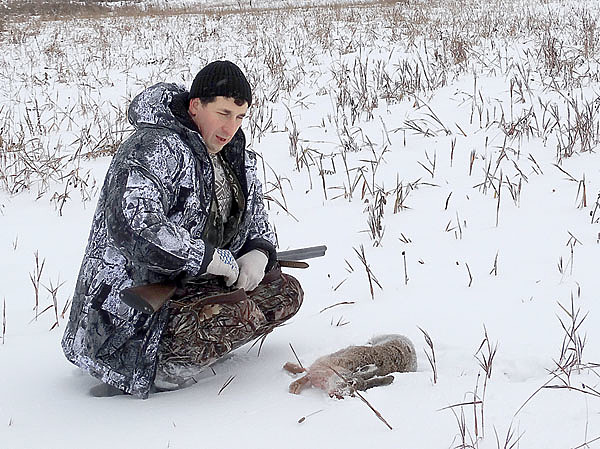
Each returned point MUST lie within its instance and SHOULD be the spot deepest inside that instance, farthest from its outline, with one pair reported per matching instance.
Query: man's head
(218, 100)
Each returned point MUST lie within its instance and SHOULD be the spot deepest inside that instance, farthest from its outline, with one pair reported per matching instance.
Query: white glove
(223, 264)
(252, 269)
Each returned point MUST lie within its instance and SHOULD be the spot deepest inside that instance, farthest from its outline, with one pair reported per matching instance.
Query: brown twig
(533, 394)
(430, 357)
(370, 276)
(340, 284)
(297, 358)
(362, 398)
(53, 290)
(35, 278)
(301, 420)
(447, 201)
(405, 271)
(499, 199)
(37, 315)
(459, 405)
(226, 384)
(337, 304)
(470, 276)
(494, 269)
(340, 322)
(260, 339)
(587, 443)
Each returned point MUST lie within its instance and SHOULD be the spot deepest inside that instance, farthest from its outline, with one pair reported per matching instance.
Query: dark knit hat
(221, 78)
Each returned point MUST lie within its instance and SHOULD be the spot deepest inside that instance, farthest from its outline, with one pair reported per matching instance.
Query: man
(181, 202)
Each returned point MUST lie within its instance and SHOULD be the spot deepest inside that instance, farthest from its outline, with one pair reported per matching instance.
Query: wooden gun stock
(148, 298)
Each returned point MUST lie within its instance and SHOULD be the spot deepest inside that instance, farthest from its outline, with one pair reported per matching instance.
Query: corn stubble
(389, 53)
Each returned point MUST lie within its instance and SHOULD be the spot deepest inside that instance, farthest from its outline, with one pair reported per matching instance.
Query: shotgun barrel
(302, 253)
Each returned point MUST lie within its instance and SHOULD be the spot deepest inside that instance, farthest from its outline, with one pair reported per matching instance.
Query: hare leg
(298, 385)
(378, 382)
(293, 368)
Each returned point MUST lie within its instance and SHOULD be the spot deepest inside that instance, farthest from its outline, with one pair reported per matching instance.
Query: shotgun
(149, 298)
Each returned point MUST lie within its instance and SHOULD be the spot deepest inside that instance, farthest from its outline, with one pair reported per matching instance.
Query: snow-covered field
(444, 151)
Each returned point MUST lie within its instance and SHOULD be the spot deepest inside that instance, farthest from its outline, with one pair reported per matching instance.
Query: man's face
(217, 121)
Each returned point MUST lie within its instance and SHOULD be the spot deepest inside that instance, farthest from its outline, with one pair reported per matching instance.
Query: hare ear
(378, 381)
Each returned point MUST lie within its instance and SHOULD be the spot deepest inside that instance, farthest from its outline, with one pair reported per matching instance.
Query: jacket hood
(151, 107)
(164, 105)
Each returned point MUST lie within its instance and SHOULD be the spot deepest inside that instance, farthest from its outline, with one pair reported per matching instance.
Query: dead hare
(357, 367)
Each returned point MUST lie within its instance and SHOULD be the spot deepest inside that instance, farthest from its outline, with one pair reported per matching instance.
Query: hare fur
(357, 367)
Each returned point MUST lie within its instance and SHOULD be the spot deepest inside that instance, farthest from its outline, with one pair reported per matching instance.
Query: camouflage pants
(208, 321)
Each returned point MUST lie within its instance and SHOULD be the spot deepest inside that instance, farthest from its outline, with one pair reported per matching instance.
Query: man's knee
(296, 295)
(280, 300)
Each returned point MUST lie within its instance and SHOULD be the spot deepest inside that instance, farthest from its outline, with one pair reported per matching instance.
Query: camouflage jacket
(149, 226)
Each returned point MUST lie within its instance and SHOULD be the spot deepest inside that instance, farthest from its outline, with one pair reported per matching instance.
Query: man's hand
(224, 264)
(252, 269)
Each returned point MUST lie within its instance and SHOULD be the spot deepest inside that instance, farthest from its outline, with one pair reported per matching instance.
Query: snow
(488, 74)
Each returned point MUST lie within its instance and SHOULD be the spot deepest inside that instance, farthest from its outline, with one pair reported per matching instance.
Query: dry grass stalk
(376, 210)
(431, 354)
(226, 384)
(571, 356)
(260, 341)
(494, 270)
(431, 164)
(471, 161)
(587, 443)
(35, 278)
(277, 186)
(571, 243)
(404, 239)
(499, 198)
(573, 344)
(296, 355)
(370, 276)
(339, 284)
(586, 390)
(467, 439)
(337, 304)
(401, 193)
(594, 218)
(322, 174)
(405, 270)
(460, 231)
(37, 315)
(270, 198)
(447, 201)
(66, 308)
(470, 275)
(554, 376)
(581, 190)
(301, 420)
(510, 441)
(53, 290)
(485, 354)
(354, 391)
(569, 176)
(340, 322)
